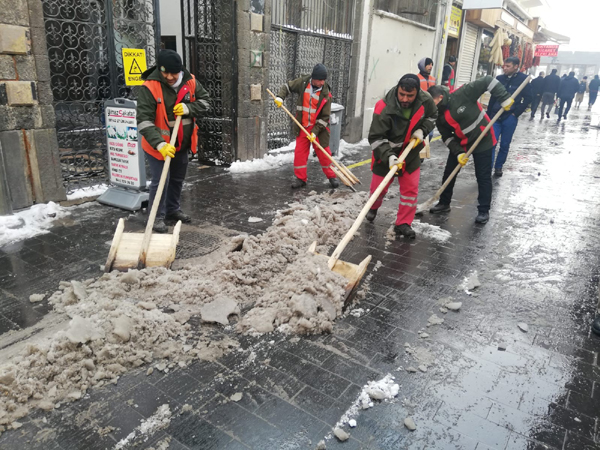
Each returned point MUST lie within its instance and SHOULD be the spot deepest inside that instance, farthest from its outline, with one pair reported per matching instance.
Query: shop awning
(544, 35)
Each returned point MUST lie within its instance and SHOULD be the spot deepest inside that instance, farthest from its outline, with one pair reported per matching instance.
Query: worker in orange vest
(425, 67)
(168, 91)
(313, 109)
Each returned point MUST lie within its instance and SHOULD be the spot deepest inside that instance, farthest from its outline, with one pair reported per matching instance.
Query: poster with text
(123, 149)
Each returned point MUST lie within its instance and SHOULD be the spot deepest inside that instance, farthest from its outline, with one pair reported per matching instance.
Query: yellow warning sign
(134, 64)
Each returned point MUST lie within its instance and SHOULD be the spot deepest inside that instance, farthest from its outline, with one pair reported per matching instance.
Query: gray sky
(578, 19)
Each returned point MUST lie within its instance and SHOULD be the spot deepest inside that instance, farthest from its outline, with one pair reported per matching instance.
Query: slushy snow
(90, 191)
(29, 222)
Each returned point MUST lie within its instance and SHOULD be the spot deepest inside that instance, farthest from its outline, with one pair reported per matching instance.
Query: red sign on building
(546, 50)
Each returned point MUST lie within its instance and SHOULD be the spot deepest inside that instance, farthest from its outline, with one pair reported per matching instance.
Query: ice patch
(254, 219)
(90, 191)
(429, 231)
(30, 222)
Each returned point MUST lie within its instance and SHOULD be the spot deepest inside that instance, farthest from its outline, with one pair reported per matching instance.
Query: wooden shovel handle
(350, 234)
(157, 198)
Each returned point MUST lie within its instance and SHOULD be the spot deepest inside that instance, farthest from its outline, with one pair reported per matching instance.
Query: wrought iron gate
(294, 53)
(84, 41)
(210, 53)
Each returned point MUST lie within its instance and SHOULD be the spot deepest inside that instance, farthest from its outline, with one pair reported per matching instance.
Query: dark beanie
(169, 61)
(410, 81)
(452, 59)
(319, 72)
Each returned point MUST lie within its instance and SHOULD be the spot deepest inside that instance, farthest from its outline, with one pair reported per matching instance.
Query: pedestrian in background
(593, 88)
(583, 87)
(537, 90)
(405, 113)
(449, 74)
(313, 109)
(169, 90)
(505, 126)
(568, 88)
(425, 67)
(551, 86)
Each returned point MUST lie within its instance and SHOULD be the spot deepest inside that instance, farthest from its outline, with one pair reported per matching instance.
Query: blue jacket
(568, 88)
(511, 85)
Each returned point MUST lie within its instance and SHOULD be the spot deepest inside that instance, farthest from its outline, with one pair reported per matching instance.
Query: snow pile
(90, 191)
(347, 149)
(382, 390)
(273, 159)
(157, 421)
(429, 231)
(30, 222)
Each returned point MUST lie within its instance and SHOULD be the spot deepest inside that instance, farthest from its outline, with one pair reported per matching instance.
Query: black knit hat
(409, 82)
(452, 59)
(169, 61)
(319, 72)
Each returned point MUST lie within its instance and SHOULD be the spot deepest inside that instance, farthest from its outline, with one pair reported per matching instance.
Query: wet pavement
(488, 385)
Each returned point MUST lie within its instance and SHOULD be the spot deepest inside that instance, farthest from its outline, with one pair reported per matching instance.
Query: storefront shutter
(467, 53)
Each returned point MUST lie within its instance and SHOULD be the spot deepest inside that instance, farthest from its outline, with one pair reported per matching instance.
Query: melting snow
(30, 222)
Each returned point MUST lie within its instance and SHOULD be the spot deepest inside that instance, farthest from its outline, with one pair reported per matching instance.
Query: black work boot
(596, 325)
(334, 182)
(547, 115)
(482, 217)
(404, 229)
(298, 183)
(439, 208)
(177, 216)
(160, 226)
(371, 215)
(498, 173)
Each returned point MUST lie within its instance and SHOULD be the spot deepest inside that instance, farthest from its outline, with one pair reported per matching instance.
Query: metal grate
(193, 244)
(315, 15)
(84, 41)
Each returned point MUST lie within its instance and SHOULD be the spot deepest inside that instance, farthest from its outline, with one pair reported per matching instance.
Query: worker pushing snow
(461, 119)
(407, 112)
(312, 111)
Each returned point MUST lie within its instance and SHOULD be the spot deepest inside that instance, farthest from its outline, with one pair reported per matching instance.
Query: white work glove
(418, 135)
(278, 102)
(507, 104)
(393, 161)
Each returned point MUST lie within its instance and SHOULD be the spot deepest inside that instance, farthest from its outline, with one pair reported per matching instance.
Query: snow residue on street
(90, 191)
(30, 222)
(384, 389)
(432, 232)
(347, 149)
(157, 421)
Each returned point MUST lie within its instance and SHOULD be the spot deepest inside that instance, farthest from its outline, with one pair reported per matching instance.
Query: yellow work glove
(417, 136)
(278, 102)
(167, 150)
(393, 162)
(507, 104)
(311, 137)
(463, 159)
(181, 109)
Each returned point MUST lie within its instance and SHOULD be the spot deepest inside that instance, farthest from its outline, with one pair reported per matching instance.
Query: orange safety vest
(426, 83)
(161, 120)
(309, 107)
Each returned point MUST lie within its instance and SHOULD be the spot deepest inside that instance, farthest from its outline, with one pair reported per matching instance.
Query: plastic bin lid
(335, 107)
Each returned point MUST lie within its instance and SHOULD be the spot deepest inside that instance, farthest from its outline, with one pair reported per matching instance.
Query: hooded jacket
(298, 86)
(390, 131)
(146, 108)
(461, 118)
(568, 87)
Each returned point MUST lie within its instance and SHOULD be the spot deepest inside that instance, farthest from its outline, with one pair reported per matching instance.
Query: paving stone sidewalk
(488, 385)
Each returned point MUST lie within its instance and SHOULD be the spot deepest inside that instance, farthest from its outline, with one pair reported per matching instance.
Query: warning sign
(134, 64)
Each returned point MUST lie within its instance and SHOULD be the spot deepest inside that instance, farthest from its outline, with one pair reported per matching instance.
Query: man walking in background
(313, 110)
(568, 88)
(537, 90)
(425, 67)
(583, 87)
(505, 126)
(593, 88)
(449, 74)
(551, 86)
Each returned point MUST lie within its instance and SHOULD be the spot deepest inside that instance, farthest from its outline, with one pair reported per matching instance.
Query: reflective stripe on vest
(426, 83)
(161, 120)
(310, 102)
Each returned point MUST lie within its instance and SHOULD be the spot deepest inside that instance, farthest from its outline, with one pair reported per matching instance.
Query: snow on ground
(30, 222)
(90, 191)
(159, 420)
(432, 232)
(285, 155)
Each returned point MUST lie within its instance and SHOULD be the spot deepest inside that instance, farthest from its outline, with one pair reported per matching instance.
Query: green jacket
(390, 131)
(146, 108)
(462, 118)
(298, 86)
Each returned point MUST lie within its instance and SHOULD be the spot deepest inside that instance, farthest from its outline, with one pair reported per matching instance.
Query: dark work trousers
(535, 103)
(483, 173)
(568, 101)
(593, 96)
(169, 203)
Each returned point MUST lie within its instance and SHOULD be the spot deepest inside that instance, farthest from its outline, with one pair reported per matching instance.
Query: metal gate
(298, 42)
(84, 40)
(210, 53)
